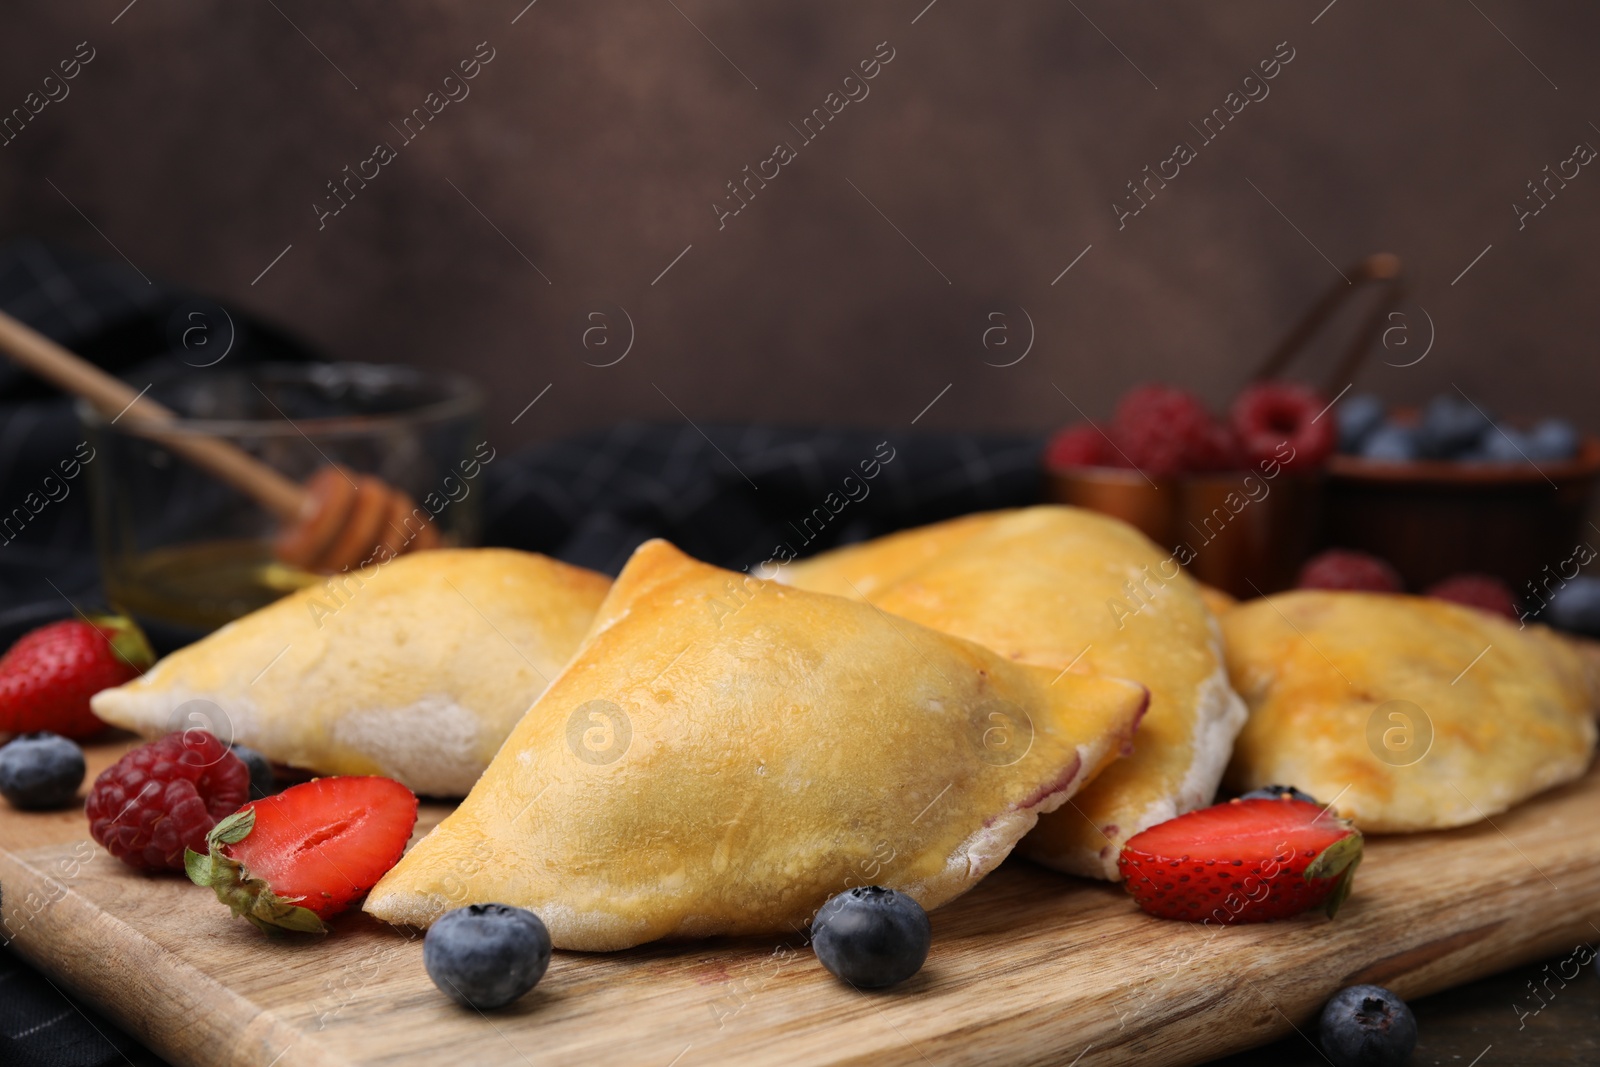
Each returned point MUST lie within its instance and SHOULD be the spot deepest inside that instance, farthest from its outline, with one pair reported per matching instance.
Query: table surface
(1478, 1025)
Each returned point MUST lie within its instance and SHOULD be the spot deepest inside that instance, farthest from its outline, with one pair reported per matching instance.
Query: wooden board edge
(1255, 1016)
(215, 1026)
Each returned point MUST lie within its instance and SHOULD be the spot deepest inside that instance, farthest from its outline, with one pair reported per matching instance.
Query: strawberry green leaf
(246, 896)
(127, 640)
(197, 867)
(233, 829)
(1339, 860)
(1336, 858)
(1336, 899)
(272, 914)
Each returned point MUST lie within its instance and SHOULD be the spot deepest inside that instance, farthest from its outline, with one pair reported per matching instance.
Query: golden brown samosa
(1404, 713)
(416, 669)
(724, 754)
(1063, 587)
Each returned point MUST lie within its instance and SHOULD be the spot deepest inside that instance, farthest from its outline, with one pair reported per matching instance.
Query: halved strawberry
(1243, 861)
(289, 861)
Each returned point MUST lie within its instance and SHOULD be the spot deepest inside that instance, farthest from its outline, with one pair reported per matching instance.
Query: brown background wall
(600, 134)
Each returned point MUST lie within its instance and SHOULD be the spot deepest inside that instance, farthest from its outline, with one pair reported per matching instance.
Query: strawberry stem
(246, 896)
(127, 640)
(1339, 860)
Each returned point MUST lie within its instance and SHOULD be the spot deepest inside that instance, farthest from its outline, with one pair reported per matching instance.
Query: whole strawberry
(164, 797)
(1244, 861)
(48, 676)
(294, 859)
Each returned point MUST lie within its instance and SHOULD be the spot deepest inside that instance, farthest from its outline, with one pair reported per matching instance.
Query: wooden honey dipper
(337, 520)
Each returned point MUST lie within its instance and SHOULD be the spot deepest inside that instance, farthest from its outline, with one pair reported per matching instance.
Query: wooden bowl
(1242, 532)
(1432, 519)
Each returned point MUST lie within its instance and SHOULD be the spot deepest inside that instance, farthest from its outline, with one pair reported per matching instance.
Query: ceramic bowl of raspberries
(1235, 497)
(1450, 488)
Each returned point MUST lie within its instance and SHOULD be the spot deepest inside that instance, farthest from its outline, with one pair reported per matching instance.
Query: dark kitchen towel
(738, 495)
(40, 1026)
(110, 314)
(735, 495)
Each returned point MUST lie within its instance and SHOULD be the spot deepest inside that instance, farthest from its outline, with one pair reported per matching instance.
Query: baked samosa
(1064, 587)
(723, 754)
(415, 669)
(1404, 713)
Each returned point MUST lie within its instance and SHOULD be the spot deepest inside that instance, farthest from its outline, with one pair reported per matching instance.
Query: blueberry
(1367, 1026)
(1273, 792)
(1576, 606)
(486, 955)
(40, 771)
(1502, 445)
(871, 937)
(1391, 443)
(1358, 418)
(1451, 427)
(1554, 440)
(262, 781)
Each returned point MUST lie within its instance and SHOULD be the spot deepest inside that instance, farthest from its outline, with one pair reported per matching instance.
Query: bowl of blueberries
(1449, 488)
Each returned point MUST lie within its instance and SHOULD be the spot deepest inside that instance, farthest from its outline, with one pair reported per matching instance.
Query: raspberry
(1340, 568)
(1079, 446)
(1219, 451)
(1269, 415)
(1479, 591)
(164, 797)
(1163, 430)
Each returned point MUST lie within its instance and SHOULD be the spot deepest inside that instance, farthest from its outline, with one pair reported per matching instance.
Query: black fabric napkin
(735, 495)
(110, 314)
(741, 495)
(40, 1026)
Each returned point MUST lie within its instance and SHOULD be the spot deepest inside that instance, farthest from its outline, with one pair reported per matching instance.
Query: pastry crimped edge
(432, 741)
(596, 929)
(1220, 714)
(974, 858)
(1471, 799)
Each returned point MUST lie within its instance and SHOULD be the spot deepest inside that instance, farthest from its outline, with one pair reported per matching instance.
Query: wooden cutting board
(1029, 968)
